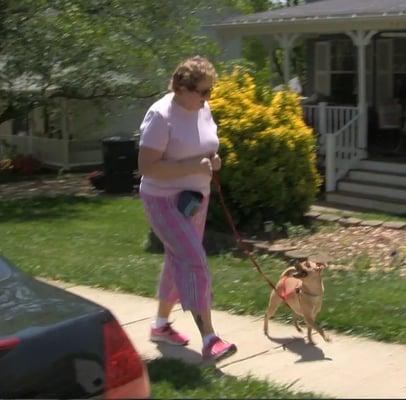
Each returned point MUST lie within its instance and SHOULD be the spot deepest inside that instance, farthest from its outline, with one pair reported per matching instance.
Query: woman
(178, 153)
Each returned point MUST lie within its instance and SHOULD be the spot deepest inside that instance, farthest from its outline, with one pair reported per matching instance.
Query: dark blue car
(54, 344)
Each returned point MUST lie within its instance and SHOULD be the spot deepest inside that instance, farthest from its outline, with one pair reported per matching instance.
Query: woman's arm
(151, 164)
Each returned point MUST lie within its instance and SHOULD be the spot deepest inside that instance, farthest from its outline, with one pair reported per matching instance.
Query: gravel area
(355, 246)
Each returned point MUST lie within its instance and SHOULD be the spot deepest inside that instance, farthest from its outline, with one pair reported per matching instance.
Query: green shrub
(269, 170)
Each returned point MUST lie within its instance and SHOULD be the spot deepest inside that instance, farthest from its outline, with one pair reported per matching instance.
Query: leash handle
(240, 243)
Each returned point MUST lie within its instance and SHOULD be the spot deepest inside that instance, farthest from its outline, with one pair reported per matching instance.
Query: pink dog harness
(282, 290)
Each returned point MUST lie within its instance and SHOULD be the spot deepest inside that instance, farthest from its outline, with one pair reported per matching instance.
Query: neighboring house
(69, 133)
(356, 89)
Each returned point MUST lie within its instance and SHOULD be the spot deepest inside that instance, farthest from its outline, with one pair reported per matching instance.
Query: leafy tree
(255, 51)
(291, 3)
(86, 49)
(250, 6)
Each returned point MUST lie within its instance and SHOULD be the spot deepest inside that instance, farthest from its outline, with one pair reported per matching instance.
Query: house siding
(90, 120)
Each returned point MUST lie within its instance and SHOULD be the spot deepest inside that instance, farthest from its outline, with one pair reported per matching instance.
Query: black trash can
(120, 156)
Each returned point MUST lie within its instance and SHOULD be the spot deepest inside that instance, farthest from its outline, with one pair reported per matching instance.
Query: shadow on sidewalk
(186, 355)
(180, 375)
(307, 352)
(179, 352)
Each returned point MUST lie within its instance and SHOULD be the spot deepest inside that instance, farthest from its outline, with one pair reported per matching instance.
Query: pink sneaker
(218, 349)
(168, 335)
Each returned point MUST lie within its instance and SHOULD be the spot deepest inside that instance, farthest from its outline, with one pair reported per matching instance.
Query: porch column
(65, 133)
(286, 41)
(361, 39)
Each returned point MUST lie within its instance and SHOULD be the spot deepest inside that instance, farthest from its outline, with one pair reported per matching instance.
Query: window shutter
(384, 70)
(322, 68)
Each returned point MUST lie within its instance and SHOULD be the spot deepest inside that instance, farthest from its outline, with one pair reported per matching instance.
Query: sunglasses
(203, 92)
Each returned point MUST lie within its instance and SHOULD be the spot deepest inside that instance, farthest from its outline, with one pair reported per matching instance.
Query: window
(20, 125)
(399, 69)
(343, 88)
(343, 71)
(343, 56)
(399, 55)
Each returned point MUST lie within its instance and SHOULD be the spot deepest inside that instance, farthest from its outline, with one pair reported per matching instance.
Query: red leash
(241, 244)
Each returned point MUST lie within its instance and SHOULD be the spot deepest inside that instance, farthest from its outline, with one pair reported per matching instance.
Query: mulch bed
(48, 185)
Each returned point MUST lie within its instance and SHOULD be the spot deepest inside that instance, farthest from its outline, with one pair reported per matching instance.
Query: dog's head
(307, 269)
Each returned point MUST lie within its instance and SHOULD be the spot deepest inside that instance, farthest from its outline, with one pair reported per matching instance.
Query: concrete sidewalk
(345, 368)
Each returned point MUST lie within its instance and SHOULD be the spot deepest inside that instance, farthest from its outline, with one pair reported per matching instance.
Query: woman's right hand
(205, 166)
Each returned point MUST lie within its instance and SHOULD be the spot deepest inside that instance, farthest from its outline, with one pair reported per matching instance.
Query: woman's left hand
(215, 162)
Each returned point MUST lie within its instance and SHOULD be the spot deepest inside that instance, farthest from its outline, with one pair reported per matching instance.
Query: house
(68, 133)
(356, 63)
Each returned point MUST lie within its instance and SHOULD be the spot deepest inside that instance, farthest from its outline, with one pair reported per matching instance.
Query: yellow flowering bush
(268, 152)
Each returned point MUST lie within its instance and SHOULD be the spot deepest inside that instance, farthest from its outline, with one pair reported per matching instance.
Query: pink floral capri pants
(185, 276)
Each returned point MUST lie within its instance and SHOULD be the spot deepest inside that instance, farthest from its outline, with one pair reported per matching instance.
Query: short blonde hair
(191, 72)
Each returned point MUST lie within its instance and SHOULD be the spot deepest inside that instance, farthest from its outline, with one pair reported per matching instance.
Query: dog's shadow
(307, 351)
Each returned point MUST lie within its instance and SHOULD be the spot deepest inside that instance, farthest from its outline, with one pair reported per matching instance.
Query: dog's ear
(300, 274)
(301, 269)
(307, 265)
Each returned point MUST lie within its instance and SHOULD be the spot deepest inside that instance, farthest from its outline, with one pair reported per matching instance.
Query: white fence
(53, 152)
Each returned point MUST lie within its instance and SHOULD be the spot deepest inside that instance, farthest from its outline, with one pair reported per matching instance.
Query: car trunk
(51, 341)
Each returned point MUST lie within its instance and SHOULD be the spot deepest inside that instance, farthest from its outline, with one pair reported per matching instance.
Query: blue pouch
(189, 202)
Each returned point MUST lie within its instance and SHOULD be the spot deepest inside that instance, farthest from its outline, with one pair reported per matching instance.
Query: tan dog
(302, 289)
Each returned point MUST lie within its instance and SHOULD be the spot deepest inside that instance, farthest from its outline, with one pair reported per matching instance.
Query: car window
(5, 270)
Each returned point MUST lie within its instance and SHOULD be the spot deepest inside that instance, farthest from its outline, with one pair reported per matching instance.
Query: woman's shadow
(307, 351)
(185, 355)
(179, 352)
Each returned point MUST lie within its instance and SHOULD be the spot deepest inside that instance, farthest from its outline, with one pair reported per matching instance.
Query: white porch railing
(327, 119)
(338, 138)
(342, 152)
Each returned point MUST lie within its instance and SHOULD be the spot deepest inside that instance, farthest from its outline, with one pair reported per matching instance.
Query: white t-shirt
(180, 134)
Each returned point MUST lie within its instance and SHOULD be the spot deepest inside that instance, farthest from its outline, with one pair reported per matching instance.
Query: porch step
(395, 179)
(367, 202)
(382, 166)
(373, 189)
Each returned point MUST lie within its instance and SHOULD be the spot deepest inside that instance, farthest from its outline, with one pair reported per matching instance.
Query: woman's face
(193, 99)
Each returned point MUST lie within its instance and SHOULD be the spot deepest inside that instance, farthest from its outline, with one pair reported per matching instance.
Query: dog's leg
(295, 321)
(309, 334)
(274, 303)
(312, 324)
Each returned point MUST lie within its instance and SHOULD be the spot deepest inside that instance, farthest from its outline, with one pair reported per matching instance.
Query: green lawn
(101, 242)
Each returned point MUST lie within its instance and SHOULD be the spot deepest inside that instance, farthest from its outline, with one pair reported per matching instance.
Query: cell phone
(189, 202)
